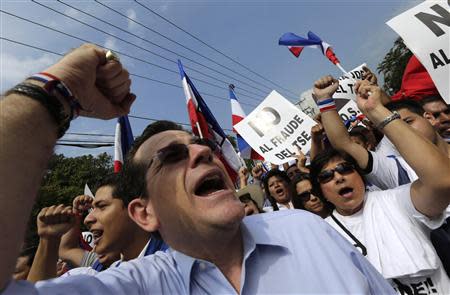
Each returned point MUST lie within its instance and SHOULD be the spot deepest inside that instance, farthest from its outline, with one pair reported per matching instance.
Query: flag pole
(199, 130)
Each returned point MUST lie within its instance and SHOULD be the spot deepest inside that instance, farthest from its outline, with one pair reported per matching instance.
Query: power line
(185, 47)
(152, 43)
(122, 53)
(131, 74)
(213, 48)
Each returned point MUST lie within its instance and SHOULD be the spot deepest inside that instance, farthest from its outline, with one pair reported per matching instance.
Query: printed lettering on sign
(276, 129)
(425, 29)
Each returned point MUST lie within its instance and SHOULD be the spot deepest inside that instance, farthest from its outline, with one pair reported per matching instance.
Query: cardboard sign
(347, 83)
(425, 29)
(89, 238)
(276, 128)
(345, 96)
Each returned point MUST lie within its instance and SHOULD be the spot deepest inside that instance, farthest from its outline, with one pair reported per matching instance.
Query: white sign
(276, 129)
(350, 109)
(425, 29)
(89, 238)
(347, 83)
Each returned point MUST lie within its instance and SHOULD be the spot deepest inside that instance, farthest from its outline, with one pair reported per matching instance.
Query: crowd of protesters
(366, 211)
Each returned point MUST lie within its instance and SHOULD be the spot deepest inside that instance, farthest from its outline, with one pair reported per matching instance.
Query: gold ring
(112, 56)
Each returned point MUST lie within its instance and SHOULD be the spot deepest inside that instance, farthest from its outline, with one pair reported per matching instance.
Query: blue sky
(247, 31)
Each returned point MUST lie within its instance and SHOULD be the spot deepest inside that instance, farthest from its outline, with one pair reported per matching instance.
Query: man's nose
(199, 154)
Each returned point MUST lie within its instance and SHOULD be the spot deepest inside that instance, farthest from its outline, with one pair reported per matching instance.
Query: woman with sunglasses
(303, 198)
(391, 227)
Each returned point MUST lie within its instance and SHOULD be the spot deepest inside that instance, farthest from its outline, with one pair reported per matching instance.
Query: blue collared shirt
(290, 251)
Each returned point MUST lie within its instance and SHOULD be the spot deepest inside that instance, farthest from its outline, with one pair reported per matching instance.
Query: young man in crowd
(185, 195)
(438, 113)
(115, 234)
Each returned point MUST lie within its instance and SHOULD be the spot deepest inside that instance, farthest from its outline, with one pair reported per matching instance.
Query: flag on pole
(205, 125)
(237, 115)
(296, 44)
(122, 141)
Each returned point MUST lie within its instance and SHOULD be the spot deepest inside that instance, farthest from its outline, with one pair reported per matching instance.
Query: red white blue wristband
(52, 83)
(326, 105)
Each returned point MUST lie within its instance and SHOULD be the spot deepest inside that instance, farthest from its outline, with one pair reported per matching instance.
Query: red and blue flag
(205, 125)
(237, 115)
(123, 140)
(296, 44)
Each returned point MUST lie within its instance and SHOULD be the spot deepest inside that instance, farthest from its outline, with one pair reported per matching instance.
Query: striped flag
(122, 141)
(296, 44)
(205, 125)
(237, 115)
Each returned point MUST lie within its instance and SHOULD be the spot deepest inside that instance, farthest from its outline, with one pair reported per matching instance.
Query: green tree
(393, 65)
(64, 179)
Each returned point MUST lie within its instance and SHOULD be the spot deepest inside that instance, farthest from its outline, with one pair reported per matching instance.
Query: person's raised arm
(52, 223)
(430, 194)
(69, 248)
(337, 134)
(29, 120)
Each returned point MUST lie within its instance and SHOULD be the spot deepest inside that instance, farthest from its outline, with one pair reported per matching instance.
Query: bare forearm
(424, 157)
(339, 138)
(44, 264)
(69, 249)
(316, 148)
(27, 136)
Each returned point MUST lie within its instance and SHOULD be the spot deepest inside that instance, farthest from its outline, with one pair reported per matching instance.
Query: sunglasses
(304, 197)
(437, 114)
(177, 152)
(343, 168)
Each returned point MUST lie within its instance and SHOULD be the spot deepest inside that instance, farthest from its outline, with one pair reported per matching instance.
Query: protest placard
(345, 96)
(276, 129)
(89, 238)
(425, 29)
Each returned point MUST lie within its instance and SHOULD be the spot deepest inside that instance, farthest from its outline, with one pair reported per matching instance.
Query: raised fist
(325, 87)
(54, 221)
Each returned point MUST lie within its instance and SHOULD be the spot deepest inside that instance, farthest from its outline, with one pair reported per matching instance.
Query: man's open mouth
(97, 233)
(210, 184)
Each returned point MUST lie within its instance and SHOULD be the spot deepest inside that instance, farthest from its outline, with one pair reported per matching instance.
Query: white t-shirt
(390, 171)
(396, 237)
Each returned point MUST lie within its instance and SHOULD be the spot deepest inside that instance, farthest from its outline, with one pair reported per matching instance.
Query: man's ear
(429, 116)
(141, 211)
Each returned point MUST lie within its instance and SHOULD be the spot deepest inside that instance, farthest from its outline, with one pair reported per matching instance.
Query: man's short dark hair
(432, 98)
(411, 105)
(113, 180)
(133, 183)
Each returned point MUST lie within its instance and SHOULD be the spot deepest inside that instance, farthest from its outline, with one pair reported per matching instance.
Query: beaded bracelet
(50, 102)
(326, 105)
(52, 83)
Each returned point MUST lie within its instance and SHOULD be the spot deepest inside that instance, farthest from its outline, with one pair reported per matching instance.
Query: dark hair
(29, 252)
(281, 174)
(113, 180)
(133, 184)
(361, 133)
(298, 204)
(320, 161)
(411, 105)
(432, 98)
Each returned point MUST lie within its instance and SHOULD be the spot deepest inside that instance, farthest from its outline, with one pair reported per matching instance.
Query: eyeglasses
(177, 152)
(304, 197)
(437, 114)
(343, 168)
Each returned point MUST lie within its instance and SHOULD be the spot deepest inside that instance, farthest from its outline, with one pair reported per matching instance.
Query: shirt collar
(251, 239)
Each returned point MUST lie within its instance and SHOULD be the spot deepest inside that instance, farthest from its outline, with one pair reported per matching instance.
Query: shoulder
(281, 216)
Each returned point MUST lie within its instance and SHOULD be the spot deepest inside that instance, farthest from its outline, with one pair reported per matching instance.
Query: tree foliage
(64, 179)
(393, 65)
